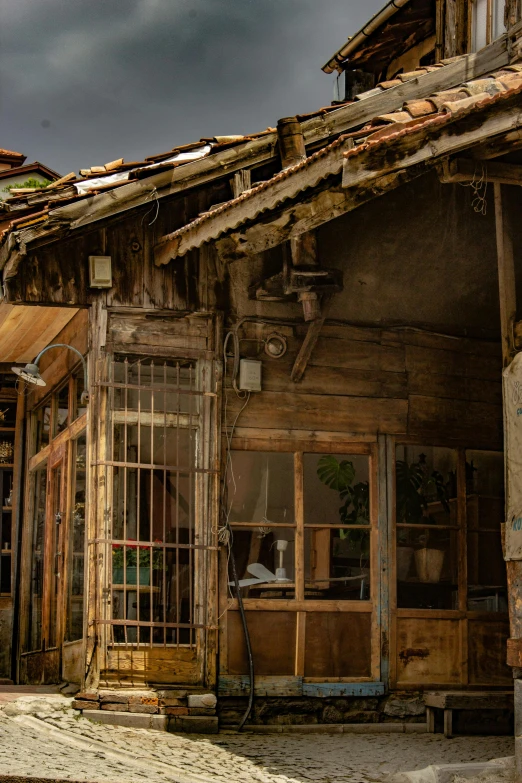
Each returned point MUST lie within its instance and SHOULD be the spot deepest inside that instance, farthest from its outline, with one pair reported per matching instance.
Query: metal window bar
(165, 611)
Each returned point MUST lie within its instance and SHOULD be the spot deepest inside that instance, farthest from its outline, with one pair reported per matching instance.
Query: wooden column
(507, 296)
(513, 12)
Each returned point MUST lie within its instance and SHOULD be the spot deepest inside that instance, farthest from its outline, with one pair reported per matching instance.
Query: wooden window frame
(301, 606)
(461, 615)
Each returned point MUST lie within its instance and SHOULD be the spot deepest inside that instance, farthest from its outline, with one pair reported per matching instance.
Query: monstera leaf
(336, 474)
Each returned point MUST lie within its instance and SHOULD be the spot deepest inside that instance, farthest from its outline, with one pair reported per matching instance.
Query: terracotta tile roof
(11, 153)
(117, 173)
(412, 117)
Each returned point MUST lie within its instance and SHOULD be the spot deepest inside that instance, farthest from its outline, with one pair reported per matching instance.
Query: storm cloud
(87, 81)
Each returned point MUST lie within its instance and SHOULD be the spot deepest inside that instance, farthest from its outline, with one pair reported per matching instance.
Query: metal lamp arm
(85, 393)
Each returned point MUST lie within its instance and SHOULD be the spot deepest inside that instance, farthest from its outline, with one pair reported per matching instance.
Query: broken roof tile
(396, 116)
(390, 83)
(370, 93)
(439, 99)
(464, 103)
(407, 77)
(420, 108)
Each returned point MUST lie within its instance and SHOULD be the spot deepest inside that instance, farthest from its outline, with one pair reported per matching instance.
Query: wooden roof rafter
(301, 199)
(325, 124)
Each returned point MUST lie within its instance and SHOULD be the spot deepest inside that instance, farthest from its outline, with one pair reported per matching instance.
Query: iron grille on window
(158, 474)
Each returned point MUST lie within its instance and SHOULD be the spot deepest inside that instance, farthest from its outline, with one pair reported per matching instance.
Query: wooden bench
(463, 700)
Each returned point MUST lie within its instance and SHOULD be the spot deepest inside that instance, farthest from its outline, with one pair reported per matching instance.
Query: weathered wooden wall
(370, 381)
(58, 273)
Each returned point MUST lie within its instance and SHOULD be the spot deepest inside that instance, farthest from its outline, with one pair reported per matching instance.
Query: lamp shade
(30, 374)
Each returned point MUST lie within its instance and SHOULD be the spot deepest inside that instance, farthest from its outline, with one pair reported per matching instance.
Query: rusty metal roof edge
(444, 117)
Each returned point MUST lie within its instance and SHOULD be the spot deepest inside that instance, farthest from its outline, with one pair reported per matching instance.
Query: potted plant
(416, 487)
(339, 475)
(125, 561)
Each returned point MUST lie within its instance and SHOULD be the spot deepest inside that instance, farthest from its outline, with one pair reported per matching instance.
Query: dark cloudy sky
(86, 81)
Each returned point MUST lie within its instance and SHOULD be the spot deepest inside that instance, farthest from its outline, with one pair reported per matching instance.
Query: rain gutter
(355, 41)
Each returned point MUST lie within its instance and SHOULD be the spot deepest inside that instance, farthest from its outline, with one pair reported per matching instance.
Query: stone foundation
(398, 707)
(169, 709)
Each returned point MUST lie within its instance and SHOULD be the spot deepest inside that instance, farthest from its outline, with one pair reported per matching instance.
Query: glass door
(43, 638)
(55, 558)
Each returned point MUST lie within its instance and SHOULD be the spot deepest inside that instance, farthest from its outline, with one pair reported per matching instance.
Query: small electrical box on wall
(250, 375)
(100, 271)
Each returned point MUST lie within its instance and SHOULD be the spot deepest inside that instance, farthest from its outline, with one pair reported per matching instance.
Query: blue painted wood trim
(239, 685)
(325, 689)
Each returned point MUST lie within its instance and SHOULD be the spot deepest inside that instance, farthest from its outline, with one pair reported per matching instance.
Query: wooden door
(43, 665)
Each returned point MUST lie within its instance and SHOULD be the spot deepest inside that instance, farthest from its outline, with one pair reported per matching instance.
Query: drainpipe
(353, 43)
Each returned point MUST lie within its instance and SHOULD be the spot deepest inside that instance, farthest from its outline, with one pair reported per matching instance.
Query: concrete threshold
(332, 728)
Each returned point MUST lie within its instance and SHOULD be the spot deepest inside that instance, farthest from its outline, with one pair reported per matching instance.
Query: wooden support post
(506, 277)
(508, 307)
(439, 29)
(430, 720)
(309, 343)
(448, 724)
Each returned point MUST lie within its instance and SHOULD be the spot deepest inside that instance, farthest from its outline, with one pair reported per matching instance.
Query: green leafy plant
(339, 475)
(134, 554)
(416, 485)
(29, 183)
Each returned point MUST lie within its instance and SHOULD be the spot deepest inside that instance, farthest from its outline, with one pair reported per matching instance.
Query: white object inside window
(487, 22)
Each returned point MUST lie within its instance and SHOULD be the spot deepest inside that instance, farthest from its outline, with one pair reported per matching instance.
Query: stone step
(188, 724)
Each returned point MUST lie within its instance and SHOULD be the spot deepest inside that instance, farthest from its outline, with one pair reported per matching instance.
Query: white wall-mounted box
(250, 375)
(100, 271)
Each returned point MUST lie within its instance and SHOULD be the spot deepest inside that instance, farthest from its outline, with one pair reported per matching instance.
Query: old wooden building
(295, 345)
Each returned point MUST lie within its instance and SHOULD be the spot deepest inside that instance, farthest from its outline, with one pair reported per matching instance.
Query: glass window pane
(426, 485)
(34, 641)
(79, 387)
(336, 489)
(479, 24)
(485, 514)
(265, 558)
(76, 545)
(54, 530)
(260, 488)
(62, 408)
(498, 24)
(337, 564)
(174, 380)
(426, 557)
(43, 426)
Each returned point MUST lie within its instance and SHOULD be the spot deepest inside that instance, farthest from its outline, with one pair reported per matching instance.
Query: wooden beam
(506, 276)
(467, 170)
(305, 352)
(255, 152)
(439, 28)
(241, 181)
(321, 206)
(363, 178)
(498, 145)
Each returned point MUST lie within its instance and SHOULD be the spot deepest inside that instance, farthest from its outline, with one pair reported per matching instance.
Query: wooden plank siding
(371, 381)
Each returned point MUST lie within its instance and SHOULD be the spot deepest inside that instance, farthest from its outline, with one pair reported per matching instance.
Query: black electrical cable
(247, 639)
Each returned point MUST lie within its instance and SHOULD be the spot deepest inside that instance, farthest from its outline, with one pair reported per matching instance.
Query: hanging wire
(225, 534)
(153, 195)
(479, 187)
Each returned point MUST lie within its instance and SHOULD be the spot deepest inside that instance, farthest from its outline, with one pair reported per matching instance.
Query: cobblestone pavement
(249, 758)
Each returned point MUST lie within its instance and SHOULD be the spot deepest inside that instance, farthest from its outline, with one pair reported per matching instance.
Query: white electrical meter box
(100, 271)
(250, 375)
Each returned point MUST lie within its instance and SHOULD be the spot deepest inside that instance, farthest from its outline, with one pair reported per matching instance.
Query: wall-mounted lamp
(30, 373)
